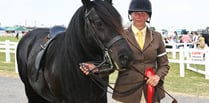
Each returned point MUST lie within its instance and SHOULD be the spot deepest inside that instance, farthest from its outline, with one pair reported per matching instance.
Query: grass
(7, 69)
(192, 84)
(12, 39)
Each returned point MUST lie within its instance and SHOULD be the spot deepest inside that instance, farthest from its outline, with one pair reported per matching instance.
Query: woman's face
(139, 19)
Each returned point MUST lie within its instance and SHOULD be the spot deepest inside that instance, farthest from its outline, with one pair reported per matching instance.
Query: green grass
(7, 69)
(192, 84)
(12, 39)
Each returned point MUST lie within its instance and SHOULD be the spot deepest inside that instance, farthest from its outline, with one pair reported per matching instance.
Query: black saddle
(53, 32)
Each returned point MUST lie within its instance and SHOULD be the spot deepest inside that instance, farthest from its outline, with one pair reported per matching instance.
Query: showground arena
(12, 91)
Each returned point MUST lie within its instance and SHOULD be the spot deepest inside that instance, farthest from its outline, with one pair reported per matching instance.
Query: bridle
(106, 48)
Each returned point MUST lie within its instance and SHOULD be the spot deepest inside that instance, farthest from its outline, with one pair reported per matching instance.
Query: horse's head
(103, 26)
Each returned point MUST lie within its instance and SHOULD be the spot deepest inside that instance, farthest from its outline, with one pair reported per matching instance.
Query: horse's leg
(33, 97)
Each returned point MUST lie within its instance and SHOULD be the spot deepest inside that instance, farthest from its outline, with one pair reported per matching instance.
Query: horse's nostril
(123, 60)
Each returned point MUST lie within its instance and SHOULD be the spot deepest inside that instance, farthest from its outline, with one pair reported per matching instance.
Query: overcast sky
(167, 14)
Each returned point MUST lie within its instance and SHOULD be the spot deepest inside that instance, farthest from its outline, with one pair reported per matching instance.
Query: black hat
(140, 5)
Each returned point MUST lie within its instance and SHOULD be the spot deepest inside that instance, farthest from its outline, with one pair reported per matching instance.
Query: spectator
(195, 39)
(175, 37)
(201, 42)
(17, 35)
(186, 38)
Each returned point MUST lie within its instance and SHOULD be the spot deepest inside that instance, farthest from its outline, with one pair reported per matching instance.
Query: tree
(207, 28)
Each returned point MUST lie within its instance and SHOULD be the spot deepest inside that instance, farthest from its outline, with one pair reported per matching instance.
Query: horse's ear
(86, 3)
(109, 1)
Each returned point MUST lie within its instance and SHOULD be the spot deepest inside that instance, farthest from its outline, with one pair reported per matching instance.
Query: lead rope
(100, 82)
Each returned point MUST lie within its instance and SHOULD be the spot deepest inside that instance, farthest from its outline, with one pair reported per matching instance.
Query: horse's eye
(98, 23)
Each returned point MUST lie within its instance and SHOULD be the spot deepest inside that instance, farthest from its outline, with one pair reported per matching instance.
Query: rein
(100, 83)
(161, 81)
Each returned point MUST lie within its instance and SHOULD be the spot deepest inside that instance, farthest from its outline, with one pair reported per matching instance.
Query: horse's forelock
(109, 15)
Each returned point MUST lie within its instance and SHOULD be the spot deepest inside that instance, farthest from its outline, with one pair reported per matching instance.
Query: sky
(166, 14)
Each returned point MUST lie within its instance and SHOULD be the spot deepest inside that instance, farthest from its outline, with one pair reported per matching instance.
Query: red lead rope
(150, 89)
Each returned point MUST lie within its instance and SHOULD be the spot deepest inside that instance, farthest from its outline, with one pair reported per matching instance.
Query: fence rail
(8, 47)
(187, 56)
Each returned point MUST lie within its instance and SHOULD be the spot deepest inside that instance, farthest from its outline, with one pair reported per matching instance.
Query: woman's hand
(153, 80)
(87, 67)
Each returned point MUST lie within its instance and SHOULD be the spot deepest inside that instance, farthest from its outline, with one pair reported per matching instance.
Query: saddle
(53, 32)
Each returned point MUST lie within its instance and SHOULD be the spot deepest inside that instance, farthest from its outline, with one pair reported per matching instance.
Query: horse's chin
(125, 63)
(123, 67)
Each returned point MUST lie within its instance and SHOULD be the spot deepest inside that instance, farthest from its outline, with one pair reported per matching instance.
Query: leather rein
(101, 83)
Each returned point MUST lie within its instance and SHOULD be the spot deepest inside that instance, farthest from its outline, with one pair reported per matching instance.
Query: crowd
(193, 40)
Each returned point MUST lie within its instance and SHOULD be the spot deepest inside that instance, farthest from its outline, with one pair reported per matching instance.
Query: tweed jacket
(153, 55)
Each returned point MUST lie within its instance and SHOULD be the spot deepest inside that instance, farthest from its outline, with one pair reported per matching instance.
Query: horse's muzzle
(125, 60)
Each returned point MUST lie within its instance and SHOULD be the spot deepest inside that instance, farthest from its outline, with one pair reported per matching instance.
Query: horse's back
(32, 37)
(28, 47)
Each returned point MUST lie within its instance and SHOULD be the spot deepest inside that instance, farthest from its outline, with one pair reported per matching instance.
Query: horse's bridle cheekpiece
(105, 47)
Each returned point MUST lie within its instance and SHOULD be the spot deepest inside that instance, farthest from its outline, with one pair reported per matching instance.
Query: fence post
(181, 62)
(16, 67)
(206, 64)
(7, 53)
(174, 52)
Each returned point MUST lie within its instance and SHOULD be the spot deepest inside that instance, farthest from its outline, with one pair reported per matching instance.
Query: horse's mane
(77, 48)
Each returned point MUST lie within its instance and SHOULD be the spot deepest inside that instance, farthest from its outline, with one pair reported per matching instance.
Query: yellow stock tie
(140, 39)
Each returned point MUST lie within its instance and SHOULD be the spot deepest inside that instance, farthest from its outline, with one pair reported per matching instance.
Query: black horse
(94, 34)
(206, 36)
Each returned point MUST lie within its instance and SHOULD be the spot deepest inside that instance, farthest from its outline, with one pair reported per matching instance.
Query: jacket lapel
(131, 39)
(148, 39)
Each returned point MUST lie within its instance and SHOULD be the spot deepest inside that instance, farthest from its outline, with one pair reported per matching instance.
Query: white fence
(8, 47)
(188, 56)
